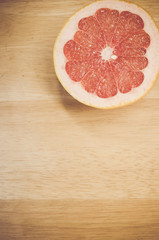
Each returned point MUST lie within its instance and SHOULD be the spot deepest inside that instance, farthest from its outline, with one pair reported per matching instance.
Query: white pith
(107, 53)
(150, 72)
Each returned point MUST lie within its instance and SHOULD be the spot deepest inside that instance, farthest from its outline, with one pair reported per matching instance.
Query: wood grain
(74, 219)
(68, 171)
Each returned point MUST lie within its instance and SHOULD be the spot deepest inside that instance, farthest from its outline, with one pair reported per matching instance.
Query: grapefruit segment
(128, 80)
(74, 51)
(90, 81)
(107, 86)
(88, 41)
(128, 23)
(91, 26)
(76, 70)
(107, 19)
(124, 82)
(136, 78)
(129, 52)
(138, 39)
(133, 63)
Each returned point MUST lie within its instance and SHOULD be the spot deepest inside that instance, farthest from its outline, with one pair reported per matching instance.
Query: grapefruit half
(107, 54)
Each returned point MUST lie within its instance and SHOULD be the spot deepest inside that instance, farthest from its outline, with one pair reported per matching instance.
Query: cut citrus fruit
(107, 54)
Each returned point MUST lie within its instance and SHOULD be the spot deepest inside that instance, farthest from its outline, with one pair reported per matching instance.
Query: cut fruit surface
(106, 55)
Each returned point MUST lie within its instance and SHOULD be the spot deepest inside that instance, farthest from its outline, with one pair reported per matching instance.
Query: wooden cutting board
(68, 171)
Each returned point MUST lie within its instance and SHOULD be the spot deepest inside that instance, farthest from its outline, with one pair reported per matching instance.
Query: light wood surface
(68, 171)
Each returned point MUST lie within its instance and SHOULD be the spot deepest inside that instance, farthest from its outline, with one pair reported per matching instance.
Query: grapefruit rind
(75, 89)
